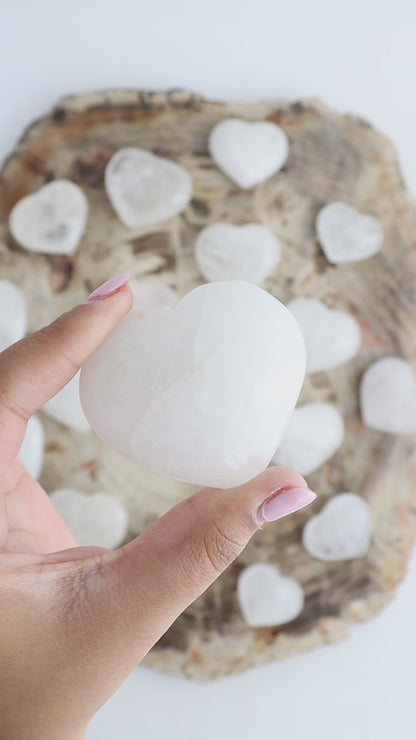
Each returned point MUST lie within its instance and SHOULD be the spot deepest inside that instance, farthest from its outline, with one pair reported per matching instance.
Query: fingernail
(109, 287)
(284, 502)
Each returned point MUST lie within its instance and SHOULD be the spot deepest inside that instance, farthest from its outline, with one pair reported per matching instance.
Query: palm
(28, 521)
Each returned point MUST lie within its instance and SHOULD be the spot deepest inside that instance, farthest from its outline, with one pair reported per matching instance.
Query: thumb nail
(283, 502)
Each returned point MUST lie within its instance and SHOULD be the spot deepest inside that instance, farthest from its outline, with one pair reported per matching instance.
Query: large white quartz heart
(13, 314)
(52, 220)
(248, 152)
(388, 396)
(266, 597)
(66, 407)
(331, 337)
(145, 189)
(31, 452)
(150, 295)
(342, 530)
(201, 392)
(96, 519)
(227, 252)
(314, 434)
(347, 235)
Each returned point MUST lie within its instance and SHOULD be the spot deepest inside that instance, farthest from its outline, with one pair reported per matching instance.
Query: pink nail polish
(109, 287)
(284, 502)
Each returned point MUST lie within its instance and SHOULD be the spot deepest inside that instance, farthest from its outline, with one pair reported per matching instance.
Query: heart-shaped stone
(314, 434)
(248, 152)
(388, 396)
(267, 598)
(346, 235)
(227, 252)
(331, 337)
(32, 448)
(145, 189)
(95, 519)
(150, 294)
(13, 314)
(342, 530)
(66, 407)
(201, 392)
(52, 220)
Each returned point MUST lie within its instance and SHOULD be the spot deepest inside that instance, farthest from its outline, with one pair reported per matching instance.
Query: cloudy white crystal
(266, 598)
(52, 220)
(145, 189)
(388, 396)
(341, 531)
(66, 407)
(227, 252)
(331, 337)
(201, 392)
(96, 519)
(315, 432)
(31, 452)
(150, 294)
(13, 314)
(346, 235)
(248, 152)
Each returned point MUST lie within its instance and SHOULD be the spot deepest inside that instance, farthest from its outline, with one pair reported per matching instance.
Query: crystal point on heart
(201, 392)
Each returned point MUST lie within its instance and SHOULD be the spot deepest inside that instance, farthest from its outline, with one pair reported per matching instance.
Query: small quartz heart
(331, 337)
(150, 294)
(95, 519)
(201, 392)
(314, 434)
(268, 599)
(227, 252)
(388, 396)
(13, 314)
(145, 189)
(248, 152)
(342, 530)
(32, 448)
(347, 235)
(66, 407)
(52, 220)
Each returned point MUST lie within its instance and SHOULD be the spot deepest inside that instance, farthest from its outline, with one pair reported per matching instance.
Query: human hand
(75, 621)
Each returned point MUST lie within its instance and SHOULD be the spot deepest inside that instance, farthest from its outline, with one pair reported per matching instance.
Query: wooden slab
(331, 157)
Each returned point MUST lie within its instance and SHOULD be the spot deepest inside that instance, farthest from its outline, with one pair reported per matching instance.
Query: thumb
(150, 581)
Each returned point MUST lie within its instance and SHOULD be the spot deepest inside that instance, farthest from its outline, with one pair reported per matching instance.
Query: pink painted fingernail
(109, 287)
(284, 502)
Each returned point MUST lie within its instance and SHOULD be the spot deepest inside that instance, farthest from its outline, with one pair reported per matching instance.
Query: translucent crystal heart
(248, 152)
(31, 452)
(96, 519)
(13, 314)
(388, 396)
(52, 220)
(201, 392)
(145, 189)
(226, 252)
(151, 294)
(347, 235)
(314, 434)
(342, 531)
(331, 337)
(266, 597)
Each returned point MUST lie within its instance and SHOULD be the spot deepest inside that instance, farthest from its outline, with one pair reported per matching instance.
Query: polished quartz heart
(266, 598)
(347, 235)
(52, 220)
(341, 531)
(388, 396)
(248, 152)
(227, 252)
(201, 392)
(145, 189)
(96, 519)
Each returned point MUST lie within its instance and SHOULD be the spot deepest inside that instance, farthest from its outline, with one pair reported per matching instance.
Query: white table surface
(358, 56)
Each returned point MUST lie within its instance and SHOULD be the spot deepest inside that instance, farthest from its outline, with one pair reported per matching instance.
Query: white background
(358, 56)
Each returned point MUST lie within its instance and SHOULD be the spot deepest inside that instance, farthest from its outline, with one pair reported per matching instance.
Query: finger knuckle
(220, 547)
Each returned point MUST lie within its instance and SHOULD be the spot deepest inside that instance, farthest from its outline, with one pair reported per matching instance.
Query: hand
(75, 621)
